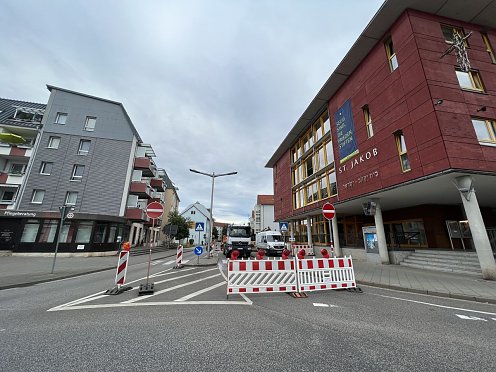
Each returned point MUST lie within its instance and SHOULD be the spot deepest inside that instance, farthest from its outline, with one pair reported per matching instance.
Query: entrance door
(9, 234)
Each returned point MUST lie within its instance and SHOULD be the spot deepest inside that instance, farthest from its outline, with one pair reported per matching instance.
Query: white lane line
(169, 289)
(184, 276)
(250, 302)
(168, 262)
(168, 273)
(185, 261)
(182, 303)
(470, 317)
(435, 305)
(197, 293)
(320, 305)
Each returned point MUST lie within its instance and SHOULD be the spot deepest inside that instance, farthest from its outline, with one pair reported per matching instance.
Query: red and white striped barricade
(258, 276)
(307, 247)
(120, 275)
(179, 256)
(318, 274)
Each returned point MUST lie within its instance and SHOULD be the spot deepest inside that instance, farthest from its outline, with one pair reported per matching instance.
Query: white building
(198, 213)
(263, 214)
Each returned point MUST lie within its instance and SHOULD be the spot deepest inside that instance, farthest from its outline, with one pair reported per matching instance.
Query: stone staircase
(459, 262)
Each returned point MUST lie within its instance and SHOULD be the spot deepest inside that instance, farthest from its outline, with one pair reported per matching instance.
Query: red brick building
(403, 130)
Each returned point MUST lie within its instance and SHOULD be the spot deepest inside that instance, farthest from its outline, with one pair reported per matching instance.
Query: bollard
(285, 254)
(260, 254)
(235, 254)
(301, 254)
(324, 253)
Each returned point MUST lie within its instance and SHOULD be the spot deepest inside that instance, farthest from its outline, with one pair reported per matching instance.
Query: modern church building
(401, 139)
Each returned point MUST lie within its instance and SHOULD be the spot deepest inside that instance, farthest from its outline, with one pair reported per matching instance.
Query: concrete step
(446, 253)
(5, 253)
(453, 260)
(438, 262)
(442, 269)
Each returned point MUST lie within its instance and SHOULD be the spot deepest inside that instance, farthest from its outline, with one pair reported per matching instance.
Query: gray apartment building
(89, 156)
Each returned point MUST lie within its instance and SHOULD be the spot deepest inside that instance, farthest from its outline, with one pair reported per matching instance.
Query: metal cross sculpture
(460, 50)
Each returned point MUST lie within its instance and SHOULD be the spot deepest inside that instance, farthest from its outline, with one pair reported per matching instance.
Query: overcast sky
(213, 85)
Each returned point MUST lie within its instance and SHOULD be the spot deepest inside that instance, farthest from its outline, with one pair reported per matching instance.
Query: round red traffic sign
(328, 211)
(154, 210)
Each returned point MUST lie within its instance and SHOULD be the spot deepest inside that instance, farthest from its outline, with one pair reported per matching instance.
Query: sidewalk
(25, 271)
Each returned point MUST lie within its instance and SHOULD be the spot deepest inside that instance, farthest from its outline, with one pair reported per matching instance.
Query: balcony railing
(146, 165)
(141, 188)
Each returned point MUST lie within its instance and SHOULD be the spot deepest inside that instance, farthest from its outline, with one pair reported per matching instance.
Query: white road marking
(3, 329)
(320, 305)
(470, 317)
(185, 261)
(435, 305)
(168, 262)
(197, 293)
(168, 289)
(246, 298)
(182, 303)
(167, 273)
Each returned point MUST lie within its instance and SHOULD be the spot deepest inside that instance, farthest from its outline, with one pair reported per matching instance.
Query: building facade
(400, 139)
(263, 214)
(171, 200)
(89, 157)
(198, 213)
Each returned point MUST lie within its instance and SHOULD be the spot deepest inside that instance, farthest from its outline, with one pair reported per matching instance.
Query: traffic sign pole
(329, 212)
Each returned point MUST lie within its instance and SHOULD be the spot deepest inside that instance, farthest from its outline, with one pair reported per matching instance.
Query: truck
(270, 241)
(238, 238)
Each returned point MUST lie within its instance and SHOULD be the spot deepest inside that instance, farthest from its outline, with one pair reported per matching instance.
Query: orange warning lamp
(126, 246)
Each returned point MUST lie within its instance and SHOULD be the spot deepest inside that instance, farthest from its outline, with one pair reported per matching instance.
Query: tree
(182, 224)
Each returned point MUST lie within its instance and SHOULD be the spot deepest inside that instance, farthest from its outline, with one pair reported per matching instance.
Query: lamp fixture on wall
(438, 102)
(483, 109)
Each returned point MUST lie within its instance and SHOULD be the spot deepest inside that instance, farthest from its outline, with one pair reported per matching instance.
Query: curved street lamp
(213, 176)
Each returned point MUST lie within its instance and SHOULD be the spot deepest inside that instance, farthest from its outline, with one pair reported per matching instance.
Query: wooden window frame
(403, 154)
(489, 48)
(490, 127)
(388, 44)
(368, 121)
(460, 30)
(475, 79)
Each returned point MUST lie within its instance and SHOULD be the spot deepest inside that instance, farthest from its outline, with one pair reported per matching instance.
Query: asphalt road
(188, 325)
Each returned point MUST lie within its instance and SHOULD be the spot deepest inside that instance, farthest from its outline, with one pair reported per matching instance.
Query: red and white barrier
(120, 275)
(308, 248)
(325, 273)
(179, 256)
(255, 276)
(284, 275)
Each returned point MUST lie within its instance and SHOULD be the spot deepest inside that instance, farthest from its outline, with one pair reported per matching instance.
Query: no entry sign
(154, 210)
(328, 211)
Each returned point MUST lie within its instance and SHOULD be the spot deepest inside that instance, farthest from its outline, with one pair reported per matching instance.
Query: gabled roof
(133, 128)
(8, 108)
(265, 199)
(480, 12)
(200, 208)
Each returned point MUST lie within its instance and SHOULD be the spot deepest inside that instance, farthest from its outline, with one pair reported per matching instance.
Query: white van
(270, 241)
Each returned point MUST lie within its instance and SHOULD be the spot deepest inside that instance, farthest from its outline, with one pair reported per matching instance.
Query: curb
(47, 280)
(430, 293)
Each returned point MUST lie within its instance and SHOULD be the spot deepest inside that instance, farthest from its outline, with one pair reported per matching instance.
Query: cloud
(213, 85)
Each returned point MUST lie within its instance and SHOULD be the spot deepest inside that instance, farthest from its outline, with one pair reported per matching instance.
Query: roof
(199, 207)
(133, 128)
(265, 199)
(480, 12)
(8, 108)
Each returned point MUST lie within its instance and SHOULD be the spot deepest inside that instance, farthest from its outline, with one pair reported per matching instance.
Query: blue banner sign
(345, 128)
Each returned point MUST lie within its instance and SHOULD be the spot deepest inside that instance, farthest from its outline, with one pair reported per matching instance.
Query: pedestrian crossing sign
(200, 226)
(283, 226)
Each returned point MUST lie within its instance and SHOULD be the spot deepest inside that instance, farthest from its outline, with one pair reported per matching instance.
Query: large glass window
(309, 166)
(30, 231)
(83, 234)
(489, 48)
(68, 232)
(48, 231)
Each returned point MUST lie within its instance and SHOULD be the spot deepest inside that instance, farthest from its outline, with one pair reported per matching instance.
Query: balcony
(142, 189)
(158, 184)
(145, 165)
(136, 214)
(157, 197)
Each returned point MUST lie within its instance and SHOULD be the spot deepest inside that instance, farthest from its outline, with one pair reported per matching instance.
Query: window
(317, 129)
(17, 168)
(327, 122)
(193, 212)
(485, 130)
(84, 147)
(324, 188)
(400, 144)
(71, 198)
(61, 118)
(27, 114)
(30, 231)
(393, 62)
(309, 166)
(368, 121)
(470, 80)
(77, 172)
(8, 196)
(137, 175)
(38, 196)
(489, 48)
(449, 31)
(48, 230)
(83, 233)
(53, 142)
(46, 168)
(89, 125)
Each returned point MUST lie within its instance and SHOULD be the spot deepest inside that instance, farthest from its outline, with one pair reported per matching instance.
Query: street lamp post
(213, 175)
